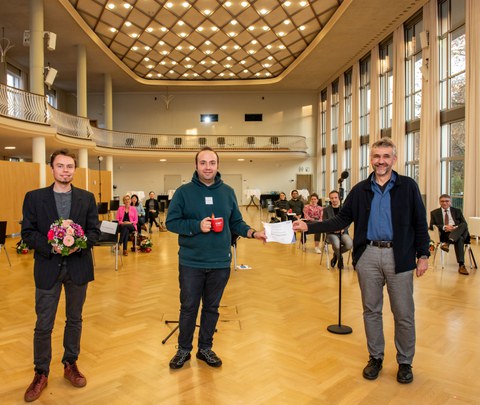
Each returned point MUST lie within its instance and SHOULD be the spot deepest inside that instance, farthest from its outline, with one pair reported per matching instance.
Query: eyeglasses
(444, 201)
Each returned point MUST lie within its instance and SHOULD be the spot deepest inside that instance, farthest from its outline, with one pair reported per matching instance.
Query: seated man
(453, 229)
(296, 204)
(341, 241)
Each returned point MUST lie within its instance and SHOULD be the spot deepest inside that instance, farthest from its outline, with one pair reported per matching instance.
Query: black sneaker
(179, 359)
(340, 263)
(404, 375)
(333, 262)
(370, 372)
(209, 357)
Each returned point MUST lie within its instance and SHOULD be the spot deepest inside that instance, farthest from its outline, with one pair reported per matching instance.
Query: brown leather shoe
(73, 374)
(34, 390)
(125, 252)
(445, 247)
(463, 270)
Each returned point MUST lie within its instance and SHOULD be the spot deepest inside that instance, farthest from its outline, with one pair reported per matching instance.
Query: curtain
(374, 95)
(430, 113)
(355, 123)
(472, 107)
(398, 113)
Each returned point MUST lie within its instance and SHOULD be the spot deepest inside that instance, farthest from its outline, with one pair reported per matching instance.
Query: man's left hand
(422, 266)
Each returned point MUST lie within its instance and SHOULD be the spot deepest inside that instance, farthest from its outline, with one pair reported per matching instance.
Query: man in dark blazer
(52, 270)
(453, 229)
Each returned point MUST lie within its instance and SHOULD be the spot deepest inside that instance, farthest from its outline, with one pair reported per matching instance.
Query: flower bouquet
(22, 248)
(66, 235)
(431, 246)
(146, 245)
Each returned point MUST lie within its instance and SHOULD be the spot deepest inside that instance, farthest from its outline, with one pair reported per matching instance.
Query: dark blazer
(436, 217)
(39, 212)
(410, 230)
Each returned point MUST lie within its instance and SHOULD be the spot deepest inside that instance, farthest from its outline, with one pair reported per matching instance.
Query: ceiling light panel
(209, 32)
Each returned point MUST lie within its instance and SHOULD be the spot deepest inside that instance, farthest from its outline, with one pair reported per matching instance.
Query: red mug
(217, 224)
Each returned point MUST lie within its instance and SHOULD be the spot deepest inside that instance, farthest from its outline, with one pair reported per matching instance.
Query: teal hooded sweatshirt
(191, 203)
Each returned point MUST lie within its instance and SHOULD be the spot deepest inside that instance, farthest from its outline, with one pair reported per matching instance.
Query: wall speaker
(50, 76)
(51, 41)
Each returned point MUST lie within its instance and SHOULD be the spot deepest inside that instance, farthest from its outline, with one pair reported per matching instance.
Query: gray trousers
(340, 242)
(375, 268)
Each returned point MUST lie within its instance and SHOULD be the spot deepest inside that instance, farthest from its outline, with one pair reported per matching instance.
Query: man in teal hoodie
(205, 254)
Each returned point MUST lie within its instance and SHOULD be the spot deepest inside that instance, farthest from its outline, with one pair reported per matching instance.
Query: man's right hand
(300, 226)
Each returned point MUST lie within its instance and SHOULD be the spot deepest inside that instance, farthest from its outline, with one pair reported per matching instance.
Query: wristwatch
(423, 257)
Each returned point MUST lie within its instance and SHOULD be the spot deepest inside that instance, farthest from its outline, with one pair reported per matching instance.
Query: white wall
(264, 175)
(283, 114)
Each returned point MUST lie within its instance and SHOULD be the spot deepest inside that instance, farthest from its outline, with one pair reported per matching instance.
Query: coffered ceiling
(210, 45)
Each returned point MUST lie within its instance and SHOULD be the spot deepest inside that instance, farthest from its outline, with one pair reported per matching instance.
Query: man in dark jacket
(205, 252)
(52, 270)
(391, 239)
(453, 229)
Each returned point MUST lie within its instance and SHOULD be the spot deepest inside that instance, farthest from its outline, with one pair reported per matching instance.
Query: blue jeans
(206, 285)
(46, 303)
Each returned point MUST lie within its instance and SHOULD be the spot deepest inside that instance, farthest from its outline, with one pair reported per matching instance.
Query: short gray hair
(385, 142)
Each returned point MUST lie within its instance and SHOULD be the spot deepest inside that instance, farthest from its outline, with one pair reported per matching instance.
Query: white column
(36, 48)
(81, 81)
(108, 104)
(109, 167)
(83, 163)
(39, 156)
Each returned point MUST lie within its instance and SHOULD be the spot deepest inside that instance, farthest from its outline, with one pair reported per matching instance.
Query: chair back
(108, 232)
(114, 204)
(3, 232)
(102, 208)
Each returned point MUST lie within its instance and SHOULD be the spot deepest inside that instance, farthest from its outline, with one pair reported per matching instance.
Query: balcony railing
(21, 105)
(18, 104)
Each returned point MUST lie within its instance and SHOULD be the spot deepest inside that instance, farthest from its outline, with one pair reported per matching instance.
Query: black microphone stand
(340, 329)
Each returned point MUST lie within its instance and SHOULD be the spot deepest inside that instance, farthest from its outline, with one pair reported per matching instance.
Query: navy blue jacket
(410, 231)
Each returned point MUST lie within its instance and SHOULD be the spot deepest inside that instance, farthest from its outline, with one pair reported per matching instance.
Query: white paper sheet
(280, 232)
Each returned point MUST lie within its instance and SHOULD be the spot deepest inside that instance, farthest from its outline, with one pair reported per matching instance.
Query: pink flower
(70, 231)
(50, 234)
(68, 240)
(66, 223)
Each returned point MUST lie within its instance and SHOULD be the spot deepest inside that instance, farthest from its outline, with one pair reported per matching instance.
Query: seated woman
(313, 212)
(281, 207)
(152, 207)
(127, 218)
(140, 212)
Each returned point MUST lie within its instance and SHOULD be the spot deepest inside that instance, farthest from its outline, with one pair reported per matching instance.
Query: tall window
(323, 141)
(451, 14)
(413, 75)
(14, 77)
(347, 100)
(364, 116)
(335, 117)
(386, 84)
(452, 53)
(412, 155)
(452, 161)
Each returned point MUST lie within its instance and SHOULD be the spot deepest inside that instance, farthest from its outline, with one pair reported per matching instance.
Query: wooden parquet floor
(272, 334)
